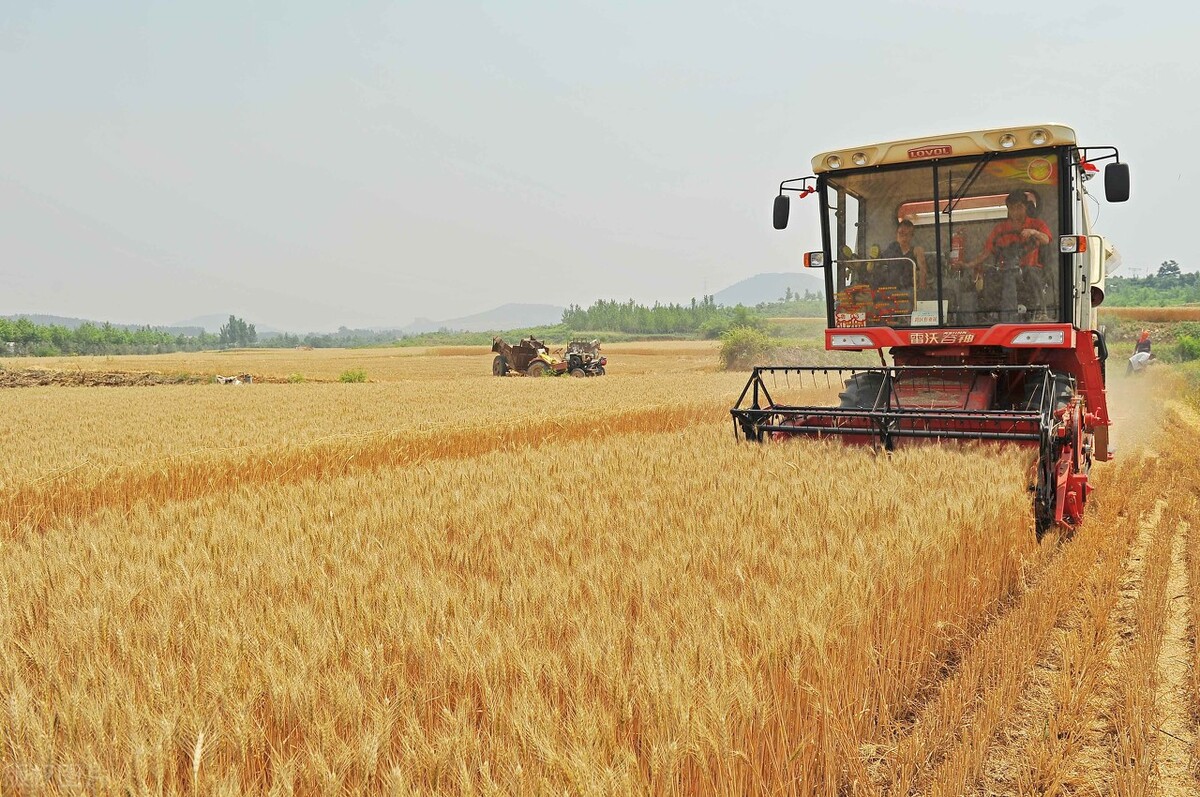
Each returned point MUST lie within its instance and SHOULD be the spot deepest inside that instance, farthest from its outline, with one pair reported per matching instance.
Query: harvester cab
(972, 260)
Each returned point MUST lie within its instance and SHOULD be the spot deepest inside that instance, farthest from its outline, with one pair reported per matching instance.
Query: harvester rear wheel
(499, 365)
(578, 373)
(537, 368)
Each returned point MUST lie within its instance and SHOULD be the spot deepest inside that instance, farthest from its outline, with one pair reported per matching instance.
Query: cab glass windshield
(969, 243)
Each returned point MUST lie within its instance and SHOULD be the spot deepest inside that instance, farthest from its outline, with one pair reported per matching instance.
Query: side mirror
(1116, 182)
(782, 204)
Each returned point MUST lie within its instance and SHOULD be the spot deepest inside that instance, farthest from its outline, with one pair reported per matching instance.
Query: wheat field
(1153, 314)
(446, 583)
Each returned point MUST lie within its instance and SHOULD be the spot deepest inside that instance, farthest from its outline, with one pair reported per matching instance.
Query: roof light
(1038, 137)
(814, 260)
(859, 158)
(850, 342)
(834, 162)
(1072, 244)
(1042, 337)
(1008, 141)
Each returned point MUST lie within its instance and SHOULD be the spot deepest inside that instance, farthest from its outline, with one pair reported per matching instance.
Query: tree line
(1170, 285)
(704, 318)
(22, 337)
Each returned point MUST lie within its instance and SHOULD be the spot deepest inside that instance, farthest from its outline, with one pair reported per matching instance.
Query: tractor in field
(584, 359)
(530, 357)
(972, 259)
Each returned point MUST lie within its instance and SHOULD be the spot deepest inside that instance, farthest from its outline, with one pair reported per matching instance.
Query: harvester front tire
(499, 366)
(866, 391)
(537, 368)
(1060, 385)
(578, 373)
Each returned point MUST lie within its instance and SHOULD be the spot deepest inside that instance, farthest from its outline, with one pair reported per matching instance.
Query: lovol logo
(930, 152)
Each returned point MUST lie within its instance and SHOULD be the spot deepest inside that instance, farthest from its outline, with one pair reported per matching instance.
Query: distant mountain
(769, 288)
(504, 317)
(42, 319)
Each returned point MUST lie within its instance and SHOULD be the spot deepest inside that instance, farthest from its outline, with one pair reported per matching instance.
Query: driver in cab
(1015, 240)
(1016, 281)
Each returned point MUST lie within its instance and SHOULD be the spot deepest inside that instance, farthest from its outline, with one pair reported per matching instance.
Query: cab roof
(951, 145)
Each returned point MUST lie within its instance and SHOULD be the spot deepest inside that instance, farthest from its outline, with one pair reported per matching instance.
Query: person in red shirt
(1013, 246)
(1015, 240)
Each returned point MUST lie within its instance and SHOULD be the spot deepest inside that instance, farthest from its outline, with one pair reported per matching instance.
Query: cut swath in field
(943, 751)
(1126, 635)
(946, 750)
(1149, 733)
(1053, 742)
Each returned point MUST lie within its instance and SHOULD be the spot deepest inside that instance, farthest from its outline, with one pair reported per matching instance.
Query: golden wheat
(1153, 314)
(463, 626)
(440, 363)
(463, 585)
(60, 430)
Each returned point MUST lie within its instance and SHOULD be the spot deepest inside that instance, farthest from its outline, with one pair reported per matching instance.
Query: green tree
(236, 332)
(1169, 269)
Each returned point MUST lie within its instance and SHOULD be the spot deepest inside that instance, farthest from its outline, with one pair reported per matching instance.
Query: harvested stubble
(450, 627)
(1189, 509)
(1141, 701)
(1052, 729)
(1193, 562)
(1058, 734)
(1133, 736)
(946, 751)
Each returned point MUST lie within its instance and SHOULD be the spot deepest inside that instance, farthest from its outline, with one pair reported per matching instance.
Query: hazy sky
(307, 165)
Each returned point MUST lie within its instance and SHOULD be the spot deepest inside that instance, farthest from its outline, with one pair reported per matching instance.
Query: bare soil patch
(38, 377)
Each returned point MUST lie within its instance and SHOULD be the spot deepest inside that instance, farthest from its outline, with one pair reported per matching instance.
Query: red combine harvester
(971, 258)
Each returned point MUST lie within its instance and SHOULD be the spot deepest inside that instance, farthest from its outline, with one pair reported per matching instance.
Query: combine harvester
(971, 257)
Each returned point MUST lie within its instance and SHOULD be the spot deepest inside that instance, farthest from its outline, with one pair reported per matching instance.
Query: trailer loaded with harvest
(972, 260)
